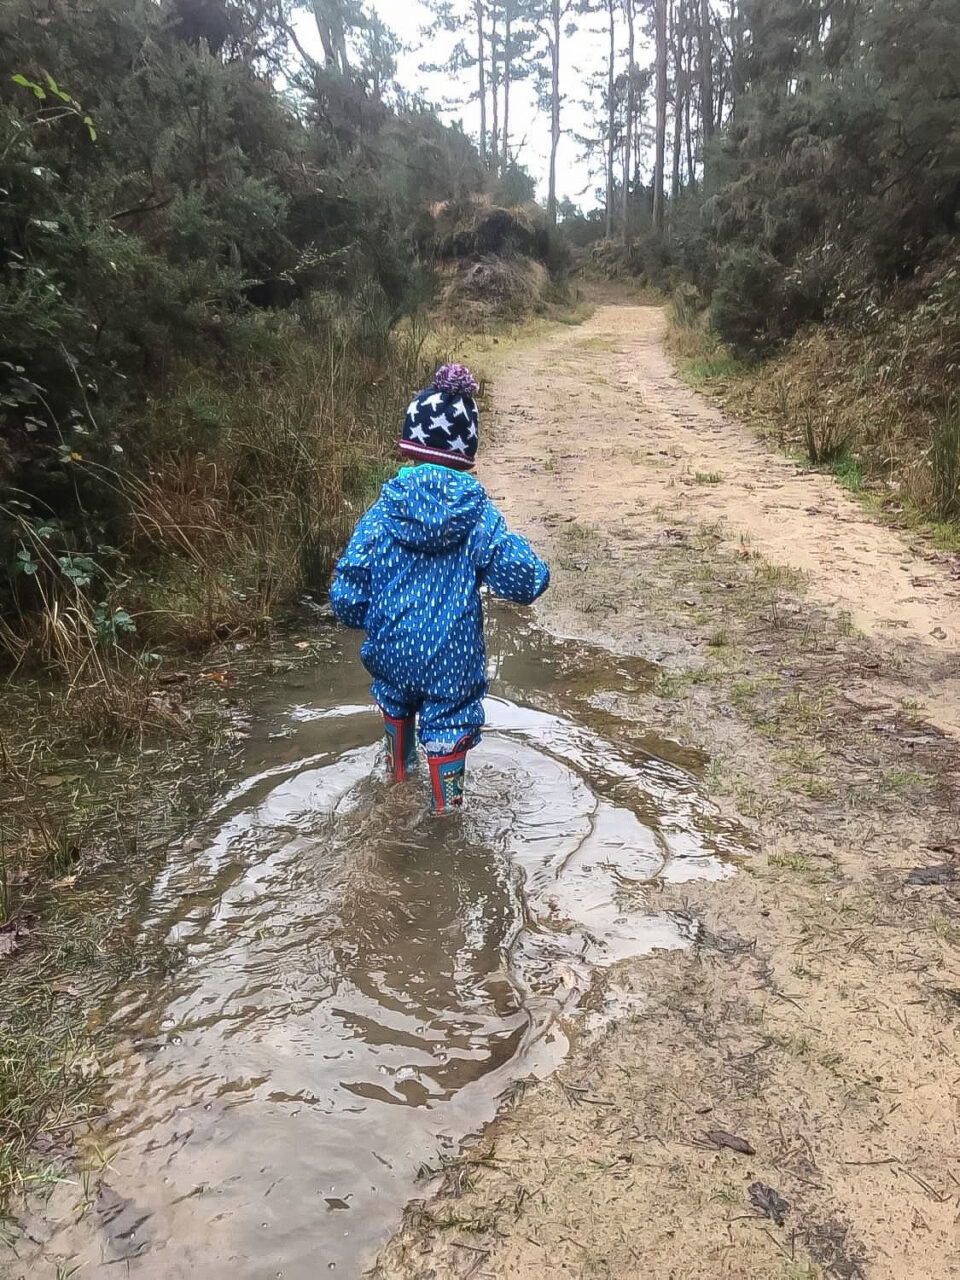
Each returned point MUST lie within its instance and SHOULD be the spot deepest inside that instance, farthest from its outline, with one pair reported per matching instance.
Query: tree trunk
(660, 25)
(325, 31)
(554, 110)
(637, 135)
(494, 94)
(482, 80)
(628, 122)
(507, 63)
(706, 70)
(688, 82)
(676, 52)
(611, 118)
(677, 139)
(737, 84)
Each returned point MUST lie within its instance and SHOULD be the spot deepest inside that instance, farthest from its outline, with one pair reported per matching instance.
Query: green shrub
(172, 227)
(652, 259)
(747, 300)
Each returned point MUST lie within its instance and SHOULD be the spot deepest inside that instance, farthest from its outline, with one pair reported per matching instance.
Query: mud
(595, 427)
(814, 1018)
(692, 935)
(341, 986)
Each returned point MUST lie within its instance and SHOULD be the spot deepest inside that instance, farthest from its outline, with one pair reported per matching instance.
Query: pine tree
(469, 53)
(335, 19)
(518, 39)
(660, 30)
(628, 9)
(705, 42)
(611, 109)
(552, 20)
(481, 77)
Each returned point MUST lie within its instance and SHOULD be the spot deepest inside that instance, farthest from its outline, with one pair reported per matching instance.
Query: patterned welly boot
(446, 779)
(401, 746)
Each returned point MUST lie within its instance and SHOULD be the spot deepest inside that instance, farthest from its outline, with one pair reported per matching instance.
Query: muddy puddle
(349, 984)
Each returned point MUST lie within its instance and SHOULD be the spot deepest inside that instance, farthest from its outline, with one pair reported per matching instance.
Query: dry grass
(82, 820)
(266, 465)
(243, 527)
(491, 287)
(872, 396)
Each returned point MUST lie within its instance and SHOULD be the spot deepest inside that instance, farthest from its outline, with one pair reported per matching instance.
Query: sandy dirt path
(595, 423)
(814, 655)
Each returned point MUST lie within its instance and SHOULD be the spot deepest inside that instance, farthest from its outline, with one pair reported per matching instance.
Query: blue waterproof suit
(411, 577)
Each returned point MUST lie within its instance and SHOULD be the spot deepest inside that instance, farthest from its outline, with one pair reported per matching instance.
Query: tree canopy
(171, 176)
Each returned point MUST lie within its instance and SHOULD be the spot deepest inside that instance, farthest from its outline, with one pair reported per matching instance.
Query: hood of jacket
(431, 508)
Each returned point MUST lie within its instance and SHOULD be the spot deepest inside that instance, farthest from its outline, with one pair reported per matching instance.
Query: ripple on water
(356, 982)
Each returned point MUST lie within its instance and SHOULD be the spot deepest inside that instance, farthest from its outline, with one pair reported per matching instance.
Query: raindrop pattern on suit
(411, 576)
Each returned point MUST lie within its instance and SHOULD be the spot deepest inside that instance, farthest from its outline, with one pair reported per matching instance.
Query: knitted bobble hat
(442, 423)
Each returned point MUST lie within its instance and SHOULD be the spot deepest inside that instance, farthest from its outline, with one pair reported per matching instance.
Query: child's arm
(350, 592)
(508, 564)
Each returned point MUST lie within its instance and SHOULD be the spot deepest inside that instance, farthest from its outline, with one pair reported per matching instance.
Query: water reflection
(356, 981)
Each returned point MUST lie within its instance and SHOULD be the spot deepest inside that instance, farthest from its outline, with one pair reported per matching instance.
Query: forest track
(816, 655)
(595, 424)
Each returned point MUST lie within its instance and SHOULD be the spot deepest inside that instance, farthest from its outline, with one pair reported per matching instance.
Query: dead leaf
(945, 873)
(59, 1145)
(768, 1201)
(64, 987)
(719, 1138)
(12, 935)
(867, 704)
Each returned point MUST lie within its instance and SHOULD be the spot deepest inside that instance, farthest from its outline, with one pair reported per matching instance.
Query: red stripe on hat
(458, 460)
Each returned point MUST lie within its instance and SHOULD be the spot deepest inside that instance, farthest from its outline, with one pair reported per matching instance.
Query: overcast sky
(581, 58)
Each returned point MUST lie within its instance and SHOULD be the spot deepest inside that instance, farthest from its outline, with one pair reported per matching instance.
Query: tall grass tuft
(258, 465)
(824, 440)
(945, 462)
(259, 515)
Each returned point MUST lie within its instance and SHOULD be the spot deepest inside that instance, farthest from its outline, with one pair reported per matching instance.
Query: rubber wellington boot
(401, 747)
(446, 779)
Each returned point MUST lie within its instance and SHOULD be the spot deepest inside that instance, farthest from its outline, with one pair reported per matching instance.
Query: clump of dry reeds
(231, 518)
(246, 524)
(490, 286)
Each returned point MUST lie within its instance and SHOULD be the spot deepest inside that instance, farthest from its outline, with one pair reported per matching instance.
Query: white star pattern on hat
(434, 419)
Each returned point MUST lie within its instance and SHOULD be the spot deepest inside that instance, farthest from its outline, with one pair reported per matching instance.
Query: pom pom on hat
(442, 424)
(457, 379)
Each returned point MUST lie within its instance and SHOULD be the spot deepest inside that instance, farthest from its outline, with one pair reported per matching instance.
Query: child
(411, 579)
